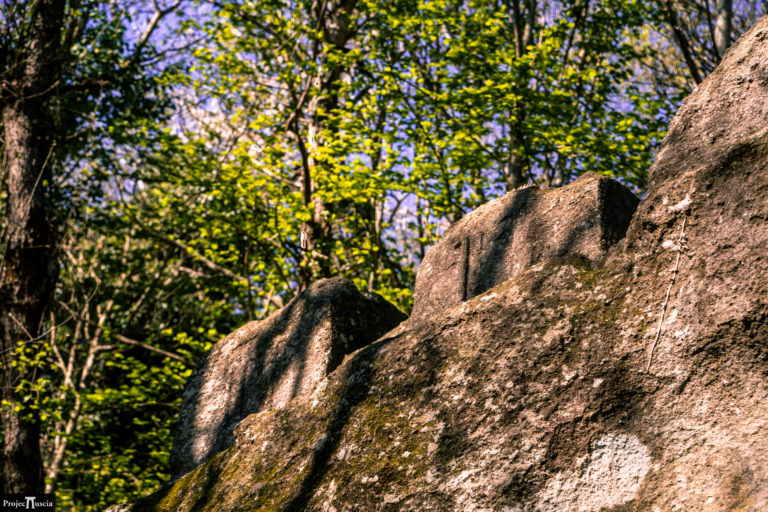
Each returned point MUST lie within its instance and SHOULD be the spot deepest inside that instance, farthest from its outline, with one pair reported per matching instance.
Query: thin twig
(147, 346)
(22, 327)
(669, 291)
(37, 339)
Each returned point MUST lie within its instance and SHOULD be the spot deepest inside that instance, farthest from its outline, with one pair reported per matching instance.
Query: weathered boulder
(504, 237)
(265, 364)
(639, 383)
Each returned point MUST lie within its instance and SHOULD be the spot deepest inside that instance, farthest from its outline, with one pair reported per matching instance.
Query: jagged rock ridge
(541, 393)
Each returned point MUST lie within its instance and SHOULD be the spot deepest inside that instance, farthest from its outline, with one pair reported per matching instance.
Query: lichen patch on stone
(610, 475)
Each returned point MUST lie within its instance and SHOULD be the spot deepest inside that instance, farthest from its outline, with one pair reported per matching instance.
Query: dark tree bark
(28, 271)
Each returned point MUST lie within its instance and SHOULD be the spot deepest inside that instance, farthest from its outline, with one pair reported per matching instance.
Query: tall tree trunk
(514, 168)
(523, 24)
(334, 23)
(26, 280)
(28, 271)
(723, 26)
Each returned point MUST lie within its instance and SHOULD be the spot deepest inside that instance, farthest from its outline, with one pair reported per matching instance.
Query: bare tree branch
(682, 40)
(157, 16)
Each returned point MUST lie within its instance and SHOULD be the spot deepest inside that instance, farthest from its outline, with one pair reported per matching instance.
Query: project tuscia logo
(19, 502)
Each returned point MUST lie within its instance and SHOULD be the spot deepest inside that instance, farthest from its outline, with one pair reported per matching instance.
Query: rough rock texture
(265, 364)
(541, 394)
(504, 237)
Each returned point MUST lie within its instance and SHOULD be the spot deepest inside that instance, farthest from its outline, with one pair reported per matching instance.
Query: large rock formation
(504, 237)
(263, 365)
(639, 383)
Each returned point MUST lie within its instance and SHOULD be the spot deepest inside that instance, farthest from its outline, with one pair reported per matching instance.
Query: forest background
(173, 169)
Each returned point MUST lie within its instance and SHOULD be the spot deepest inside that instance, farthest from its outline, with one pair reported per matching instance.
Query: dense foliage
(282, 141)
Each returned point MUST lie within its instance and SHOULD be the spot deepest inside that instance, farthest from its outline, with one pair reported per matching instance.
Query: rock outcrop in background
(638, 381)
(504, 237)
(265, 364)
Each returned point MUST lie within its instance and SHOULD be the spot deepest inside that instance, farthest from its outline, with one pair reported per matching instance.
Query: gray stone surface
(265, 364)
(510, 234)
